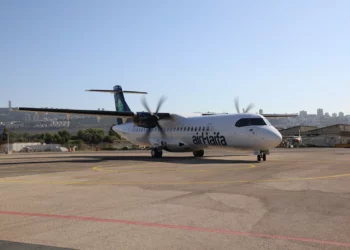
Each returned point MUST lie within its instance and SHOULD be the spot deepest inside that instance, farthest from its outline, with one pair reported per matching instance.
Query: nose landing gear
(262, 155)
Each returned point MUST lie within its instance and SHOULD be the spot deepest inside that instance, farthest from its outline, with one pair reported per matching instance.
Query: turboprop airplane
(294, 140)
(175, 133)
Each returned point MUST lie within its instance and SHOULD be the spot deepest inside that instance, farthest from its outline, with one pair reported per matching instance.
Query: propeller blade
(161, 129)
(146, 135)
(237, 104)
(143, 100)
(160, 102)
(250, 106)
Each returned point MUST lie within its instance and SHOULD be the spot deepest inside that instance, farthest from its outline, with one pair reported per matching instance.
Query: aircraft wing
(78, 112)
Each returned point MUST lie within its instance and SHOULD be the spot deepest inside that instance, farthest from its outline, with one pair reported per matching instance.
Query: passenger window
(199, 129)
(195, 129)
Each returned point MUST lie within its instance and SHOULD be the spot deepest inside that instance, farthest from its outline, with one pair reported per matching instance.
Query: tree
(57, 139)
(64, 136)
(109, 139)
(48, 138)
(111, 132)
(92, 135)
(80, 134)
(5, 134)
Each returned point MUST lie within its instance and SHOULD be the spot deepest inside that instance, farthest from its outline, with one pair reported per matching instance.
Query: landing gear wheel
(156, 153)
(259, 157)
(264, 157)
(198, 153)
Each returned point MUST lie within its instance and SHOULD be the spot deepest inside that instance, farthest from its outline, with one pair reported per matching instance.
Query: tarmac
(297, 199)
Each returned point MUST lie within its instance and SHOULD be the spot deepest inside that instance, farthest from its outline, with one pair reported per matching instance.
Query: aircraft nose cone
(272, 138)
(275, 137)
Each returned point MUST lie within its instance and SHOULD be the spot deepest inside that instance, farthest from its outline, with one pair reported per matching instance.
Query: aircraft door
(209, 127)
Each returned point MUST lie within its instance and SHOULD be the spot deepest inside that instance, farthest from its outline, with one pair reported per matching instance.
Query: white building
(32, 147)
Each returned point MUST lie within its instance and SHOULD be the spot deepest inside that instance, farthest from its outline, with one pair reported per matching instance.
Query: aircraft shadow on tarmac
(111, 158)
(9, 245)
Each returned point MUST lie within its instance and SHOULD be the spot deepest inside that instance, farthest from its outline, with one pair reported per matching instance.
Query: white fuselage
(236, 131)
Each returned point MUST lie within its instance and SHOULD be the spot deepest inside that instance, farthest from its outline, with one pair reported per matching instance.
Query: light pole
(8, 141)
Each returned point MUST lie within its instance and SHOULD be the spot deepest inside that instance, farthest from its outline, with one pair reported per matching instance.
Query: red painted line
(198, 229)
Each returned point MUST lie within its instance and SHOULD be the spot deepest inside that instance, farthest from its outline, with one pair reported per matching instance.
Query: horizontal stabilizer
(116, 91)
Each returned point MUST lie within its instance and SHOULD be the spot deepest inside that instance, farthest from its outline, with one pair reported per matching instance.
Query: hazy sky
(284, 56)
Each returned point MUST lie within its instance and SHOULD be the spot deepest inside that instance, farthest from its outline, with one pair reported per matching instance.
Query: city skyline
(260, 111)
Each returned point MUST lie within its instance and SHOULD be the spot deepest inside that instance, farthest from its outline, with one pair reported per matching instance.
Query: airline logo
(207, 139)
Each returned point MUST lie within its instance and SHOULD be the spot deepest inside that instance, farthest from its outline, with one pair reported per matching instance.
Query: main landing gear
(198, 153)
(156, 153)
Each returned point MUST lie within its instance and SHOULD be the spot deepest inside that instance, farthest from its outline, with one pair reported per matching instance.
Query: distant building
(261, 111)
(10, 105)
(328, 136)
(31, 147)
(327, 114)
(320, 112)
(294, 131)
(341, 114)
(303, 113)
(334, 115)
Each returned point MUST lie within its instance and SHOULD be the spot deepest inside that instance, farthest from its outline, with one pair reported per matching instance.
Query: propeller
(249, 107)
(154, 118)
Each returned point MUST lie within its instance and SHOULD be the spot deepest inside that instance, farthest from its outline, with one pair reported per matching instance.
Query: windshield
(250, 122)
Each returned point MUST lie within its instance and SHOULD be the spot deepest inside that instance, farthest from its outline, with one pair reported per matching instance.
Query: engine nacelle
(145, 120)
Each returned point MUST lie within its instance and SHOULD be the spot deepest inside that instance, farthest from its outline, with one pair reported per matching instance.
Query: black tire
(159, 154)
(198, 153)
(156, 154)
(264, 157)
(259, 157)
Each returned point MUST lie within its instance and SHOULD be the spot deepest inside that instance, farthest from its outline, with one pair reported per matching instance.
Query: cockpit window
(267, 121)
(250, 122)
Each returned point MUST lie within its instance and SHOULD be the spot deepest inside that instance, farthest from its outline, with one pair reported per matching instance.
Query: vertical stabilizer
(119, 100)
(120, 103)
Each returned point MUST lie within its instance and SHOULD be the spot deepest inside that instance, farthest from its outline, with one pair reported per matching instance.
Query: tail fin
(120, 103)
(119, 100)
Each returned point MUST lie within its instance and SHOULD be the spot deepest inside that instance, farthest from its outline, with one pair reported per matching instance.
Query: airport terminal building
(330, 136)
